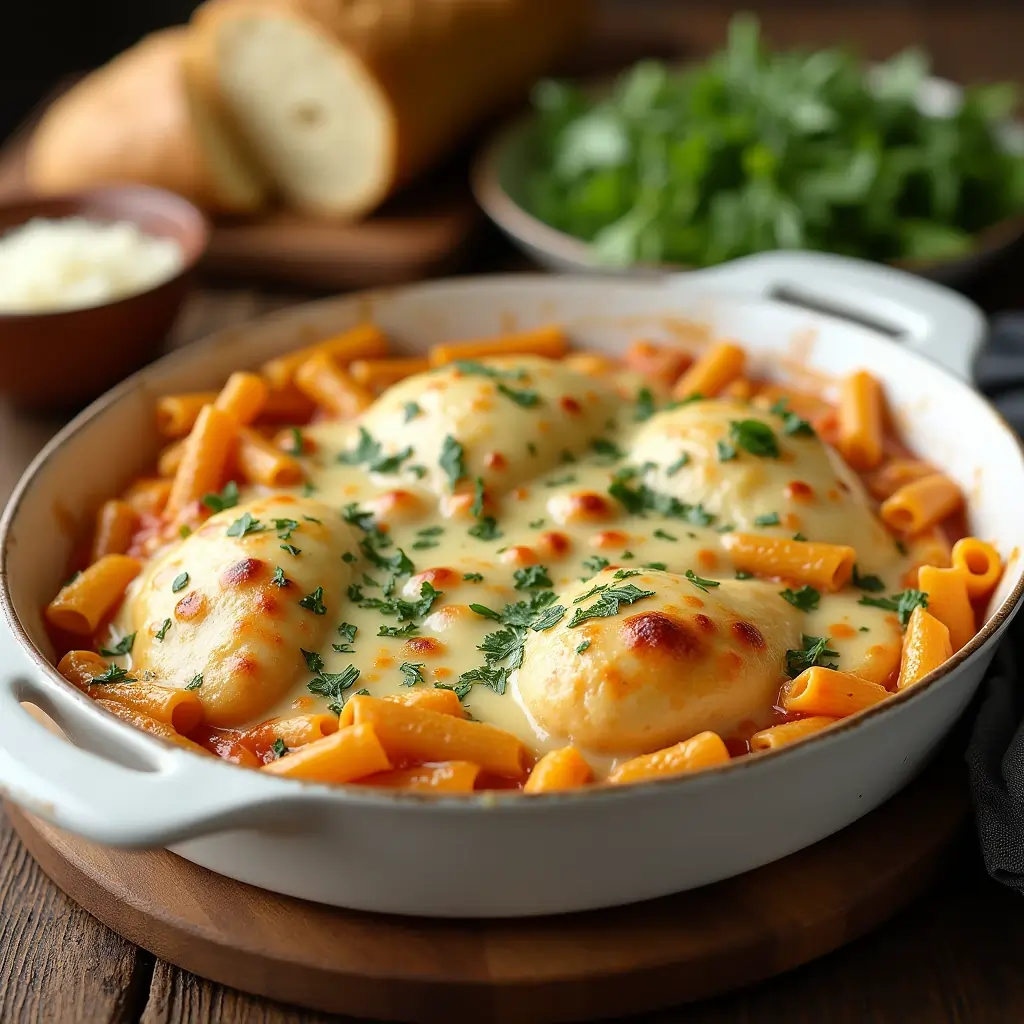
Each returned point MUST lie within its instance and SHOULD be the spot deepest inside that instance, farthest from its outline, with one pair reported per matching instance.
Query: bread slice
(132, 121)
(342, 101)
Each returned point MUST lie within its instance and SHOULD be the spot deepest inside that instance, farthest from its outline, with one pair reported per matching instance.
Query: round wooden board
(582, 966)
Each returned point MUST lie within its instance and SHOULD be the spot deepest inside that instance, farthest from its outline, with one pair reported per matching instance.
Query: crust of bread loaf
(440, 65)
(131, 121)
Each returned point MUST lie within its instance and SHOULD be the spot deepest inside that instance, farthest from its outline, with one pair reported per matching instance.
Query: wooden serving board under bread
(575, 967)
(422, 232)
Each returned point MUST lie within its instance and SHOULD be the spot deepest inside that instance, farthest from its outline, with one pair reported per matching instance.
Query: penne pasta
(716, 368)
(447, 777)
(293, 731)
(365, 341)
(701, 751)
(151, 725)
(243, 397)
(824, 566)
(417, 734)
(262, 462)
(378, 374)
(344, 756)
(286, 405)
(826, 692)
(949, 602)
(444, 702)
(661, 363)
(85, 600)
(331, 388)
(116, 522)
(981, 564)
(148, 496)
(789, 732)
(541, 341)
(925, 648)
(591, 364)
(169, 459)
(203, 460)
(177, 414)
(559, 770)
(861, 420)
(921, 503)
(894, 474)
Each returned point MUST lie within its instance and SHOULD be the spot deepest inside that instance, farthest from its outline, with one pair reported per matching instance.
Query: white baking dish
(502, 854)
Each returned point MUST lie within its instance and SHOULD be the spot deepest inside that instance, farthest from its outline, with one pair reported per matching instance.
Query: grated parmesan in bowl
(50, 265)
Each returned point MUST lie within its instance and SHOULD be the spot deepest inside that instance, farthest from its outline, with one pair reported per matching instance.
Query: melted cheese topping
(468, 495)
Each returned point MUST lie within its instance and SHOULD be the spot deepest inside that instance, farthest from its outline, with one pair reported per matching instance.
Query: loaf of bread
(339, 102)
(132, 121)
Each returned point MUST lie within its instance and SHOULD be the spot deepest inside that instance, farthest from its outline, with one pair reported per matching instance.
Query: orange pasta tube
(740, 388)
(700, 751)
(789, 732)
(84, 601)
(559, 770)
(825, 566)
(367, 341)
(169, 459)
(243, 397)
(447, 777)
(860, 420)
(148, 496)
(261, 462)
(922, 503)
(344, 756)
(981, 563)
(115, 524)
(286, 405)
(931, 547)
(332, 389)
(176, 414)
(204, 458)
(378, 374)
(824, 691)
(805, 404)
(295, 731)
(718, 367)
(547, 341)
(591, 364)
(948, 601)
(662, 363)
(152, 726)
(444, 702)
(925, 647)
(892, 475)
(417, 734)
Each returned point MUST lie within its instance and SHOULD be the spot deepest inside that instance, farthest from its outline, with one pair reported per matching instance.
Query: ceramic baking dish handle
(933, 320)
(114, 784)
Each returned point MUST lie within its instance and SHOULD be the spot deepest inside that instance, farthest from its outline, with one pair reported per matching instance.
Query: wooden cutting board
(579, 966)
(424, 232)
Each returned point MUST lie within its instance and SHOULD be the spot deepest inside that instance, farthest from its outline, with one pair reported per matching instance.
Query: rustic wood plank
(58, 964)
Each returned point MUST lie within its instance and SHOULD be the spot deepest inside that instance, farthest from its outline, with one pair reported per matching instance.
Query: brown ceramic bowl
(61, 360)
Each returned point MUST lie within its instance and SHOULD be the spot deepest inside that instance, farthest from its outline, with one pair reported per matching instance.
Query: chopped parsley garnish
(806, 598)
(582, 647)
(355, 516)
(307, 489)
(471, 368)
(768, 519)
(347, 632)
(642, 498)
(406, 630)
(390, 463)
(314, 602)
(399, 563)
(567, 457)
(227, 498)
(662, 566)
(417, 471)
(755, 437)
(477, 508)
(291, 549)
(662, 535)
(814, 649)
(285, 528)
(624, 574)
(674, 467)
(726, 451)
(430, 531)
(902, 603)
(596, 563)
(531, 447)
(486, 529)
(162, 631)
(699, 582)
(296, 447)
(366, 450)
(872, 584)
(548, 618)
(791, 423)
(313, 660)
(460, 689)
(184, 531)
(609, 602)
(412, 410)
(558, 481)
(123, 646)
(279, 579)
(411, 674)
(402, 610)
(245, 525)
(645, 407)
(180, 582)
(349, 558)
(799, 536)
(424, 545)
(195, 682)
(473, 577)
(452, 461)
(607, 449)
(279, 747)
(536, 524)
(526, 398)
(590, 593)
(313, 519)
(113, 674)
(533, 577)
(332, 685)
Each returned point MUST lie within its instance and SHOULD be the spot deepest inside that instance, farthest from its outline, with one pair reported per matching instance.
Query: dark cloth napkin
(995, 753)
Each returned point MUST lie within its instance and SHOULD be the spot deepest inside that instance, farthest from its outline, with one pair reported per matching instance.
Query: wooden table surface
(952, 957)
